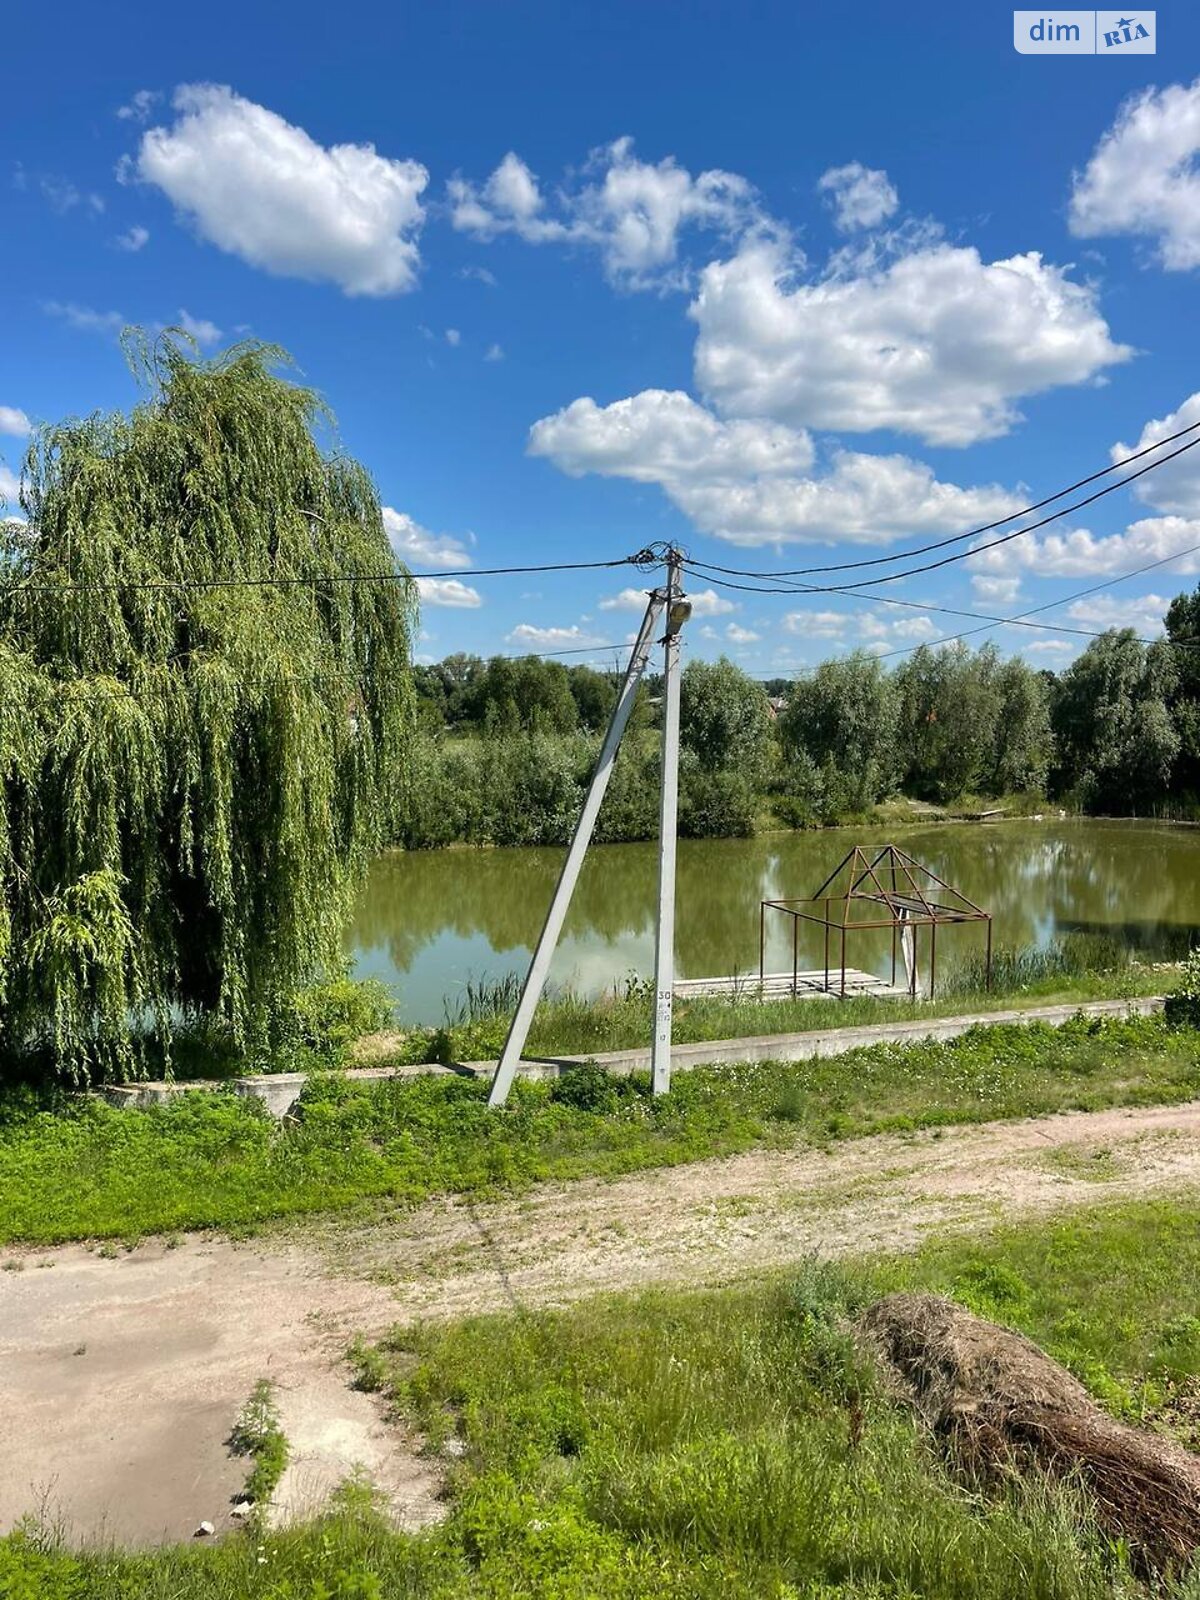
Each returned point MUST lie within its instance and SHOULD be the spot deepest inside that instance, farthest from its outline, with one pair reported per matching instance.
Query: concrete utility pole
(678, 612)
(539, 967)
(666, 602)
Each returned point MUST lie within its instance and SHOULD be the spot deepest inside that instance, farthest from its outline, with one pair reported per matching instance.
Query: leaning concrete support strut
(539, 967)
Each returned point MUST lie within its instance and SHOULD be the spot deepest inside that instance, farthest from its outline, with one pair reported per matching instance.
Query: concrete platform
(808, 985)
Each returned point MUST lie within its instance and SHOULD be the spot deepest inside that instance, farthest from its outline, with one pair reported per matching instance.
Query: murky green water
(429, 921)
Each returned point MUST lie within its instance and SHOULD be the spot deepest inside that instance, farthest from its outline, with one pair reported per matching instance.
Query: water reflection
(428, 921)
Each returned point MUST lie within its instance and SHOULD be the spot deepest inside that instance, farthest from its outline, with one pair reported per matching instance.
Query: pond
(429, 921)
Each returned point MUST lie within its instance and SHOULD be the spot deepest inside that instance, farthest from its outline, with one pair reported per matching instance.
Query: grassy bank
(78, 1168)
(1077, 968)
(334, 1023)
(726, 1443)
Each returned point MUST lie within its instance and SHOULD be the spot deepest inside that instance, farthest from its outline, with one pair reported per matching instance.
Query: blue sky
(786, 285)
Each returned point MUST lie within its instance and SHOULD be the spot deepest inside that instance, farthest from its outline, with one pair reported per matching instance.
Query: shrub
(330, 1016)
(1183, 1003)
(715, 805)
(586, 1087)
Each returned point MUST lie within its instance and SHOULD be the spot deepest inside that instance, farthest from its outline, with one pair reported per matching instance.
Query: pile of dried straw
(1000, 1404)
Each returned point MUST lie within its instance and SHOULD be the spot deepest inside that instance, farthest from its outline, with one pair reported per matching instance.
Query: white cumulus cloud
(1173, 489)
(704, 602)
(627, 600)
(1143, 614)
(662, 435)
(14, 421)
(262, 189)
(862, 197)
(863, 499)
(1080, 554)
(1175, 486)
(861, 629)
(201, 329)
(1142, 178)
(535, 638)
(448, 592)
(995, 591)
(708, 603)
(418, 547)
(739, 635)
(748, 481)
(632, 211)
(938, 343)
(823, 624)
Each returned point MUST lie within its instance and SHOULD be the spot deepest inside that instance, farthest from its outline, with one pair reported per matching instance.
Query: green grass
(352, 1553)
(258, 1436)
(1075, 969)
(736, 1433)
(80, 1169)
(1112, 1292)
(324, 1023)
(728, 1443)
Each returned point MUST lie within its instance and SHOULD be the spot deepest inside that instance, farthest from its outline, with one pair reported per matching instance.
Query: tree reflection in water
(428, 921)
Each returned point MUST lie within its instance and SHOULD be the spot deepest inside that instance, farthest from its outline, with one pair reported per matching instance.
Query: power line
(974, 533)
(987, 617)
(545, 655)
(655, 554)
(558, 566)
(703, 570)
(1019, 620)
(173, 587)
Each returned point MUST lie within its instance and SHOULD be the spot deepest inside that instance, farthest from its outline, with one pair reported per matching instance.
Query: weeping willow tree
(204, 701)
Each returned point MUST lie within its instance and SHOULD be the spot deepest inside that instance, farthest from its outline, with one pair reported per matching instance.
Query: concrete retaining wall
(280, 1091)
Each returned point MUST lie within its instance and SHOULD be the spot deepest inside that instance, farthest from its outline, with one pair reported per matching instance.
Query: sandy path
(120, 1378)
(714, 1220)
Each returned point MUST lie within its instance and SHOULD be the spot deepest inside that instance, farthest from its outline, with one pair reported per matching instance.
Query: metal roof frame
(888, 881)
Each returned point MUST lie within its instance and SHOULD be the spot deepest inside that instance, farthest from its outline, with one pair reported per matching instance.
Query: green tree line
(505, 747)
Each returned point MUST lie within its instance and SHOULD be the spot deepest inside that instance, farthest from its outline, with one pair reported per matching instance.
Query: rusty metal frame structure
(913, 896)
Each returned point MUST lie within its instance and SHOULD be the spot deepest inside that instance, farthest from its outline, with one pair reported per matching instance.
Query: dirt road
(121, 1378)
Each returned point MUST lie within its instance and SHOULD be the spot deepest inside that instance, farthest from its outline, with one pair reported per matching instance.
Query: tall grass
(1077, 967)
(484, 999)
(1075, 957)
(736, 1442)
(351, 1553)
